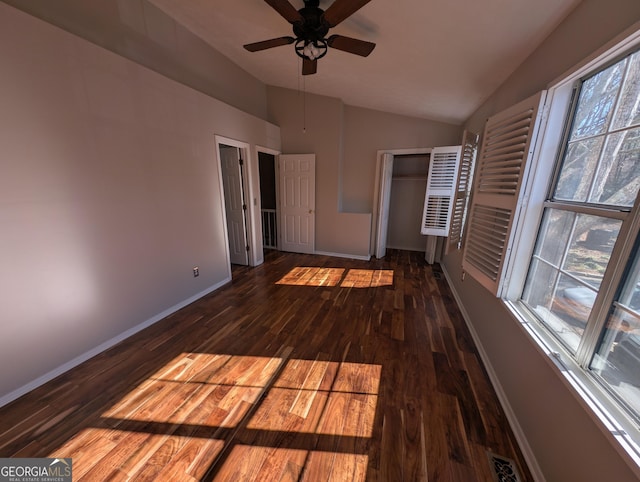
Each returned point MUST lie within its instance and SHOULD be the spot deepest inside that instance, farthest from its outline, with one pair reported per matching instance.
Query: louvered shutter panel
(503, 167)
(441, 185)
(463, 189)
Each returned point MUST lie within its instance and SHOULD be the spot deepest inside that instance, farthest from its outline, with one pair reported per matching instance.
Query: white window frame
(613, 420)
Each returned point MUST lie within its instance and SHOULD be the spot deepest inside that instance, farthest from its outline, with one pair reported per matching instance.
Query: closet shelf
(411, 177)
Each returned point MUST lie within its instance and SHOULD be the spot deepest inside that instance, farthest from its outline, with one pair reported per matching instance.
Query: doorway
(233, 182)
(287, 198)
(406, 201)
(400, 172)
(267, 168)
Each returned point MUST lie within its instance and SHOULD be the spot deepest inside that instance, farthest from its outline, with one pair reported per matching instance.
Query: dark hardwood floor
(305, 368)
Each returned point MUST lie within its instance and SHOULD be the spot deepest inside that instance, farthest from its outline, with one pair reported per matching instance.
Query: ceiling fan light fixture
(311, 49)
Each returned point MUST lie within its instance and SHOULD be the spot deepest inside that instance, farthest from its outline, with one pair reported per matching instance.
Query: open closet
(415, 191)
(408, 185)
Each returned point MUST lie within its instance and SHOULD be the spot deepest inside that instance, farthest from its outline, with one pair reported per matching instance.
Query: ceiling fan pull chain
(304, 105)
(299, 75)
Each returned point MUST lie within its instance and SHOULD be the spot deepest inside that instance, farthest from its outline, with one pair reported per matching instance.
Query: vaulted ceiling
(435, 59)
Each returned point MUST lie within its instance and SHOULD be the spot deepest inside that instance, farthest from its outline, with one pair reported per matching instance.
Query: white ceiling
(434, 59)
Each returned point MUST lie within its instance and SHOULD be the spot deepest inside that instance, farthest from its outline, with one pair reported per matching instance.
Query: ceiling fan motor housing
(314, 27)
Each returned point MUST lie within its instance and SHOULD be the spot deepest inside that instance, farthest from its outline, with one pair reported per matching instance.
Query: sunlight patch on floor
(321, 397)
(352, 278)
(198, 403)
(228, 384)
(309, 276)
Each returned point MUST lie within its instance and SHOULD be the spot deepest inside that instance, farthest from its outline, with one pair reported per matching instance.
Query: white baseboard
(5, 399)
(342, 255)
(527, 452)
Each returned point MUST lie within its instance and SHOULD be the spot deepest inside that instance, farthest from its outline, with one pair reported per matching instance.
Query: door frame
(378, 231)
(250, 191)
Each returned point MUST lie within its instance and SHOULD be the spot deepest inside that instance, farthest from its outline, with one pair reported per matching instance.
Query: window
(554, 229)
(581, 284)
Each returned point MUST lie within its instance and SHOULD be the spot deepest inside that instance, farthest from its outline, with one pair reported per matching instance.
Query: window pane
(630, 296)
(617, 359)
(570, 259)
(619, 170)
(578, 169)
(628, 111)
(618, 363)
(562, 303)
(539, 290)
(590, 248)
(572, 305)
(596, 102)
(554, 235)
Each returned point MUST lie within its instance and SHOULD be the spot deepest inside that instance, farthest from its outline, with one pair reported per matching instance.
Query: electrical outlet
(196, 271)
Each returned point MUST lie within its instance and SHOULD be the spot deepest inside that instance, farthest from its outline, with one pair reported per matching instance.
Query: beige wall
(567, 443)
(368, 131)
(109, 195)
(406, 205)
(346, 140)
(139, 31)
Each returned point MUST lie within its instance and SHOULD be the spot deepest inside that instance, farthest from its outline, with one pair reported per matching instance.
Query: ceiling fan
(311, 25)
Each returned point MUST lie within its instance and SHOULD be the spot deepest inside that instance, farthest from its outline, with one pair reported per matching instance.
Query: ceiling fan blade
(309, 66)
(267, 44)
(351, 45)
(341, 9)
(288, 11)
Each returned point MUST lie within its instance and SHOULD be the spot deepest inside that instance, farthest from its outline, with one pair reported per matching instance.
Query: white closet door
(441, 187)
(384, 196)
(503, 167)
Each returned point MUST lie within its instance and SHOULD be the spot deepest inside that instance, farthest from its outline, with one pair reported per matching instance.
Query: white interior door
(297, 202)
(234, 204)
(384, 196)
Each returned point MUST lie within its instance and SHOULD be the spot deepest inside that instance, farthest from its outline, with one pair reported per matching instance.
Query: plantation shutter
(503, 167)
(463, 189)
(441, 185)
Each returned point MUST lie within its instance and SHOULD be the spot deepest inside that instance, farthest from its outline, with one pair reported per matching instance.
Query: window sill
(619, 428)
